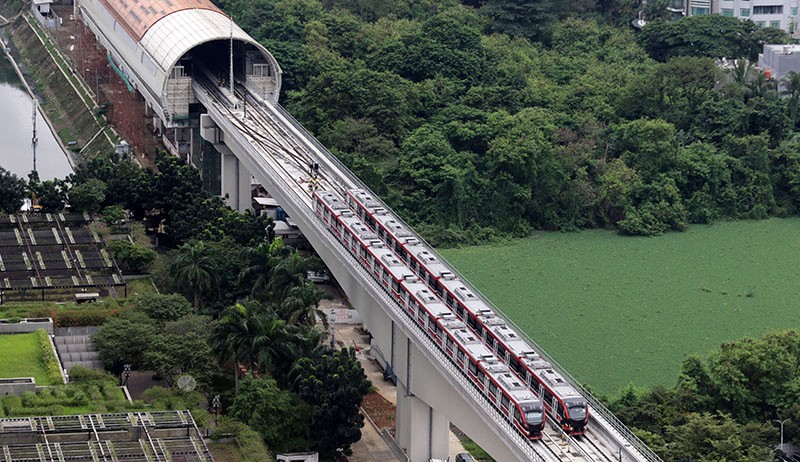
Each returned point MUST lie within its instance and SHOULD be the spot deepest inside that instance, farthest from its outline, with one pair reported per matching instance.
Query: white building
(780, 14)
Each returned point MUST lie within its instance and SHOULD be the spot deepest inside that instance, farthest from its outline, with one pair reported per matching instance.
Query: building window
(768, 9)
(697, 11)
(744, 12)
(775, 24)
(761, 24)
(794, 11)
(727, 12)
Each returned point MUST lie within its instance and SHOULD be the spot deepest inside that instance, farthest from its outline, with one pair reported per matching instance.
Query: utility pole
(231, 69)
(34, 138)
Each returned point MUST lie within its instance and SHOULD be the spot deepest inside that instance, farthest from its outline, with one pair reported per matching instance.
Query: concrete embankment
(65, 107)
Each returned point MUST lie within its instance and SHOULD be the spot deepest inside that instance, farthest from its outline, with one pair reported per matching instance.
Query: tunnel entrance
(211, 60)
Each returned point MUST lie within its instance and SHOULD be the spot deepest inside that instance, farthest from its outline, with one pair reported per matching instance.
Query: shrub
(48, 357)
(84, 374)
(133, 257)
(250, 442)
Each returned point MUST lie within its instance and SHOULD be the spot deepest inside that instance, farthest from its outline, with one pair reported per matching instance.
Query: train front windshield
(577, 410)
(534, 415)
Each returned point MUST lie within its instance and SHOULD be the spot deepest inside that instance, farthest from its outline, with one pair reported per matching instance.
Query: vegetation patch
(22, 357)
(616, 310)
(48, 356)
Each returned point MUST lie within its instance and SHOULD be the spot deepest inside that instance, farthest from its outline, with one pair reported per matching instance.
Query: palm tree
(195, 270)
(790, 86)
(301, 305)
(263, 259)
(250, 333)
(289, 273)
(761, 85)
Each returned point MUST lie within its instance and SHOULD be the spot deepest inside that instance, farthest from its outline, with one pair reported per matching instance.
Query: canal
(16, 129)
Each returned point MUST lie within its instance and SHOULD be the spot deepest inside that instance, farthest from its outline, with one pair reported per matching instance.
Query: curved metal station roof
(150, 36)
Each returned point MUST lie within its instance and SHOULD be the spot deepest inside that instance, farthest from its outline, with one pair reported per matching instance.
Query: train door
(504, 404)
(449, 346)
(493, 392)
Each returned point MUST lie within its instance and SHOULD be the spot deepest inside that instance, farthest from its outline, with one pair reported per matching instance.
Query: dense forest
(478, 119)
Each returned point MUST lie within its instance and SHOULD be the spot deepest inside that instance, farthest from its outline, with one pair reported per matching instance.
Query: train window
(473, 368)
(395, 286)
(439, 289)
(461, 355)
(514, 363)
(517, 415)
(413, 306)
(502, 352)
(413, 265)
(450, 343)
(504, 400)
(431, 323)
(493, 389)
(449, 300)
(481, 376)
(472, 323)
(489, 342)
(460, 311)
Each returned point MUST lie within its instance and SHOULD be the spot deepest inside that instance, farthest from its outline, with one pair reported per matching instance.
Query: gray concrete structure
(26, 325)
(779, 60)
(17, 386)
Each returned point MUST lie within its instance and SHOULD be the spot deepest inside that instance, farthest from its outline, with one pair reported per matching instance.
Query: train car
(562, 401)
(503, 388)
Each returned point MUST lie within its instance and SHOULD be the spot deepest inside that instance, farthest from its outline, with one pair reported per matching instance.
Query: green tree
(163, 308)
(124, 340)
(87, 196)
(333, 385)
(182, 347)
(279, 416)
(707, 35)
(133, 257)
(13, 191)
(195, 270)
(250, 333)
(113, 215)
(530, 18)
(790, 88)
(49, 194)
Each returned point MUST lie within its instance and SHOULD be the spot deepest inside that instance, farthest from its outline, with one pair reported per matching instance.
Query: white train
(496, 381)
(562, 401)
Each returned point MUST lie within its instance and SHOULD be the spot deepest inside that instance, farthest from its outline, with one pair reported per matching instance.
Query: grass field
(616, 310)
(20, 358)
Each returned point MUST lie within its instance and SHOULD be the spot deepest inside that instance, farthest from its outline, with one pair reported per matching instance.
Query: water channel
(16, 130)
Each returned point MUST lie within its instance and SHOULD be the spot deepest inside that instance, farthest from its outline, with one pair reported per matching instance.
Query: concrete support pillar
(245, 195)
(229, 176)
(421, 430)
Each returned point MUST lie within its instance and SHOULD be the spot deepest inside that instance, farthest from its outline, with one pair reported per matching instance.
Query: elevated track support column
(421, 431)
(234, 176)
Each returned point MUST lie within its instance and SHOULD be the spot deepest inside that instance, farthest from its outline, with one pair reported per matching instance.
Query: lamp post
(215, 404)
(781, 422)
(126, 371)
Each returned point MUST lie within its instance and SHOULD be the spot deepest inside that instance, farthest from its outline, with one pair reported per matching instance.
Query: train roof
(557, 383)
(364, 198)
(395, 267)
(332, 200)
(362, 231)
(429, 261)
